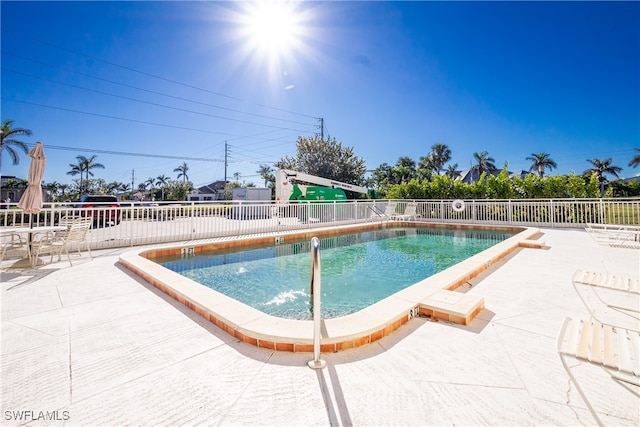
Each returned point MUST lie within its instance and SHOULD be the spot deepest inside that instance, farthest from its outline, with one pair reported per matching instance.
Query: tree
(636, 159)
(76, 170)
(404, 170)
(440, 154)
(600, 169)
(452, 170)
(236, 176)
(9, 143)
(540, 162)
(84, 165)
(54, 189)
(89, 163)
(162, 181)
(326, 158)
(382, 176)
(149, 183)
(182, 171)
(63, 192)
(177, 190)
(426, 167)
(484, 163)
(266, 172)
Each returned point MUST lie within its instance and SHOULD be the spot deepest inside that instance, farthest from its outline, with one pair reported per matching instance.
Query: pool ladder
(316, 363)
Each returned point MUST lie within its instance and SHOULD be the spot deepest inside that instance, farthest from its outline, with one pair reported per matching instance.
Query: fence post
(601, 211)
(474, 214)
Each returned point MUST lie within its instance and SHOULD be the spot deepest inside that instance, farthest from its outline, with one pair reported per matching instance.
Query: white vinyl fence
(136, 224)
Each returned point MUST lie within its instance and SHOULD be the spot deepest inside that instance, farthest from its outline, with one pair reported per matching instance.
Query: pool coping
(363, 327)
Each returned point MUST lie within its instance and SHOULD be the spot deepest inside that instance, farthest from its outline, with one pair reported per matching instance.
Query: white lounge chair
(611, 347)
(409, 213)
(607, 282)
(601, 280)
(390, 210)
(379, 214)
(627, 236)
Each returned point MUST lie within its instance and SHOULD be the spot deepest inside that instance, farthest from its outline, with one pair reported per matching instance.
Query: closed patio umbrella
(31, 200)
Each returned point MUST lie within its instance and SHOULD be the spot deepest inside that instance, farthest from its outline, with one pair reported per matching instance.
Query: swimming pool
(358, 269)
(434, 296)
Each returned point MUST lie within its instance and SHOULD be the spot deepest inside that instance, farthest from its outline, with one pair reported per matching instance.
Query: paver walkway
(93, 345)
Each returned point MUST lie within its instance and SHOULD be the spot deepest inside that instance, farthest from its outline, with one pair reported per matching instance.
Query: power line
(124, 153)
(149, 103)
(115, 117)
(148, 90)
(145, 73)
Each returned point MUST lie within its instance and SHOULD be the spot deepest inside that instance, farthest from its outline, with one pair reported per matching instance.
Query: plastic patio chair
(74, 236)
(14, 243)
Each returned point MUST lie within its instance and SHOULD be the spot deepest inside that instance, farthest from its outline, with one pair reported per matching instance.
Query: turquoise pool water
(357, 269)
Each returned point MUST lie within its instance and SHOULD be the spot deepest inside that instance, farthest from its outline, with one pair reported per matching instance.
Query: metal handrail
(315, 286)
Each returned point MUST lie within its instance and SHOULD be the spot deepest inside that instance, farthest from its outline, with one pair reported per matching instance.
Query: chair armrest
(40, 237)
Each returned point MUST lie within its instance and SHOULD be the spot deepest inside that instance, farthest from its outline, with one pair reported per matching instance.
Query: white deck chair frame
(387, 213)
(614, 348)
(409, 212)
(617, 235)
(595, 281)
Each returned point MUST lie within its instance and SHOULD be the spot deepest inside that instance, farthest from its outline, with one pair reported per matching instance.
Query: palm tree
(85, 164)
(484, 163)
(636, 159)
(9, 143)
(540, 162)
(76, 170)
(162, 181)
(53, 188)
(236, 176)
(452, 170)
(601, 168)
(404, 170)
(63, 191)
(149, 183)
(123, 187)
(182, 172)
(424, 171)
(265, 172)
(90, 163)
(440, 154)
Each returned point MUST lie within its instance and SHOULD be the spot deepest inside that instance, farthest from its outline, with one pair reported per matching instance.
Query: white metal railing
(135, 224)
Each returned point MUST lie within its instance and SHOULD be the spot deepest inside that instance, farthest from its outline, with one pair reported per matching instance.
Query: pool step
(455, 307)
(532, 244)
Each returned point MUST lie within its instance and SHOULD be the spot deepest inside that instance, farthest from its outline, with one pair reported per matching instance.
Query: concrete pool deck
(94, 344)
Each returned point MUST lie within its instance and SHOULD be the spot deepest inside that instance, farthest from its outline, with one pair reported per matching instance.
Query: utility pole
(226, 150)
(133, 174)
(321, 120)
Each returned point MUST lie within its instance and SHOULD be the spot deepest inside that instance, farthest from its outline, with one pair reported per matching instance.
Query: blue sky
(155, 84)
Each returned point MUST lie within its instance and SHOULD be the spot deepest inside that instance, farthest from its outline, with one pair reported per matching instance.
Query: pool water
(357, 270)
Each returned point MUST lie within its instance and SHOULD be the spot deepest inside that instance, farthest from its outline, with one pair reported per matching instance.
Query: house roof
(212, 188)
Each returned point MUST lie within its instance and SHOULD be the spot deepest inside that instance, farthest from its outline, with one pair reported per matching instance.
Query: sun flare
(272, 28)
